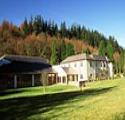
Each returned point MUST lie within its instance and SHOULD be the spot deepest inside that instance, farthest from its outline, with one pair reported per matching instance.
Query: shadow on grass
(11, 92)
(24, 107)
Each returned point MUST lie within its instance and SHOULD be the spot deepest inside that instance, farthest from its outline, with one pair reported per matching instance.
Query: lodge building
(25, 71)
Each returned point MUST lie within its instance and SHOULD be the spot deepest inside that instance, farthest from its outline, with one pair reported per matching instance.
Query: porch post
(15, 81)
(66, 80)
(32, 80)
(52, 79)
(76, 78)
(61, 79)
(56, 79)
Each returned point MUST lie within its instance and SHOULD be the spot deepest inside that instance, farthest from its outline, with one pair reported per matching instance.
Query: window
(101, 64)
(81, 64)
(104, 64)
(90, 77)
(75, 65)
(96, 64)
(90, 63)
(81, 76)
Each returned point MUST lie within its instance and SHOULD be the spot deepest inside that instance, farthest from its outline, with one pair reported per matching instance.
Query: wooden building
(23, 71)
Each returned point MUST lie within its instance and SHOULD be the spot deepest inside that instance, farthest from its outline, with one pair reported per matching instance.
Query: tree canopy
(39, 37)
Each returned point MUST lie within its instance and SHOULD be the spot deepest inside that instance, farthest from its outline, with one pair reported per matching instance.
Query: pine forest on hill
(39, 37)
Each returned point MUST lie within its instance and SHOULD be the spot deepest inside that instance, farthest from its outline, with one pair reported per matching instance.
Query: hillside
(102, 100)
(39, 37)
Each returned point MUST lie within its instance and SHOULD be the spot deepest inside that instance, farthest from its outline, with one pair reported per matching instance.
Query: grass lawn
(103, 100)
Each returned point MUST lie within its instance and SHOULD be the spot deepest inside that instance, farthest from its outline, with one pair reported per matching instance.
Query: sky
(106, 16)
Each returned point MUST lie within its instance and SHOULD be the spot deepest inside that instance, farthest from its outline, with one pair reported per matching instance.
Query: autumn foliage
(35, 38)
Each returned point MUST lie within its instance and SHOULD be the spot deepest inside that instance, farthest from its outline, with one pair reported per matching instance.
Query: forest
(39, 37)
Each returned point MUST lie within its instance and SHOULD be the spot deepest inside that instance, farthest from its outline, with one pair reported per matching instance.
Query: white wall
(111, 73)
(91, 69)
(80, 67)
(59, 70)
(83, 68)
(95, 67)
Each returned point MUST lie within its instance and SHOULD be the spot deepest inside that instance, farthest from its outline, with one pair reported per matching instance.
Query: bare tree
(44, 80)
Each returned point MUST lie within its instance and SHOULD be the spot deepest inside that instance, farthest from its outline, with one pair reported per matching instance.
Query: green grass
(35, 91)
(103, 100)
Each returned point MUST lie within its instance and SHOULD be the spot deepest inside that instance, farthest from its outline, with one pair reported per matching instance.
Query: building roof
(70, 71)
(84, 56)
(18, 64)
(22, 58)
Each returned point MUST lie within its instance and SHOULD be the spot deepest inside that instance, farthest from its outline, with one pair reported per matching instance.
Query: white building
(78, 69)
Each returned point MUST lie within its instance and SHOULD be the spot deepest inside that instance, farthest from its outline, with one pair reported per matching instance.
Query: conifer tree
(26, 29)
(86, 50)
(110, 50)
(53, 59)
(102, 48)
(70, 49)
(63, 50)
(63, 29)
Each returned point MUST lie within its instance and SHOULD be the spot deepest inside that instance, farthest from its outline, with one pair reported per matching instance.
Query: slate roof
(18, 64)
(22, 58)
(84, 56)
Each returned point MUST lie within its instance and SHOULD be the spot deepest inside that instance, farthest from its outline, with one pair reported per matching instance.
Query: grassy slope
(103, 100)
(34, 91)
